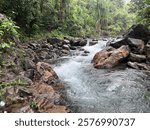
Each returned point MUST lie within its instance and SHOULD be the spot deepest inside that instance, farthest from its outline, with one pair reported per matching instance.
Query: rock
(82, 42)
(110, 57)
(65, 52)
(34, 46)
(73, 48)
(91, 43)
(44, 55)
(53, 41)
(45, 99)
(66, 47)
(46, 74)
(46, 45)
(104, 39)
(78, 42)
(24, 93)
(84, 54)
(81, 49)
(66, 41)
(86, 51)
(29, 73)
(60, 44)
(43, 88)
(148, 52)
(28, 64)
(118, 42)
(137, 46)
(138, 32)
(137, 58)
(140, 66)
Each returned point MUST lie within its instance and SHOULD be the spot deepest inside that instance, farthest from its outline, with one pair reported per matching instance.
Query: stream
(116, 90)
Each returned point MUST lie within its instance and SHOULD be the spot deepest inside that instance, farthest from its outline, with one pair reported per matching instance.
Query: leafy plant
(8, 33)
(13, 83)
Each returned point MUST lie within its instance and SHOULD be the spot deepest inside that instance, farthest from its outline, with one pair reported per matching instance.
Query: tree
(142, 10)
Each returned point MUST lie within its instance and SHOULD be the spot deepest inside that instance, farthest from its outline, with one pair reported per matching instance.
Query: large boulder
(116, 43)
(110, 57)
(137, 46)
(78, 42)
(139, 32)
(46, 74)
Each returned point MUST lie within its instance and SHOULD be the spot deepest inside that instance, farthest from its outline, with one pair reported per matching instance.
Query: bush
(8, 33)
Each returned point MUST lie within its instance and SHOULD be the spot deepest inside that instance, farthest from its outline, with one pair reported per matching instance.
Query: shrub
(8, 33)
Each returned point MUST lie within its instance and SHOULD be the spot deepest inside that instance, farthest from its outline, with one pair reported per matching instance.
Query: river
(93, 90)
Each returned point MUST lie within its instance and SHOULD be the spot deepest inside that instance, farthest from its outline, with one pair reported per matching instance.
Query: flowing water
(102, 90)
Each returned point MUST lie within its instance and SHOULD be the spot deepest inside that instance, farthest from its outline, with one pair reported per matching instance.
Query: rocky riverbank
(28, 82)
(133, 48)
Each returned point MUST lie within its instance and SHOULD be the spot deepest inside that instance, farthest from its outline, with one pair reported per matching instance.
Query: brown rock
(110, 57)
(45, 72)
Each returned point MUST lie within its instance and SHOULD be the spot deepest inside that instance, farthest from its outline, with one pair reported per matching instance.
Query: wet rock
(66, 47)
(78, 42)
(91, 43)
(136, 45)
(66, 41)
(65, 52)
(73, 48)
(104, 39)
(110, 57)
(118, 42)
(82, 42)
(140, 66)
(86, 51)
(84, 54)
(81, 49)
(139, 32)
(137, 58)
